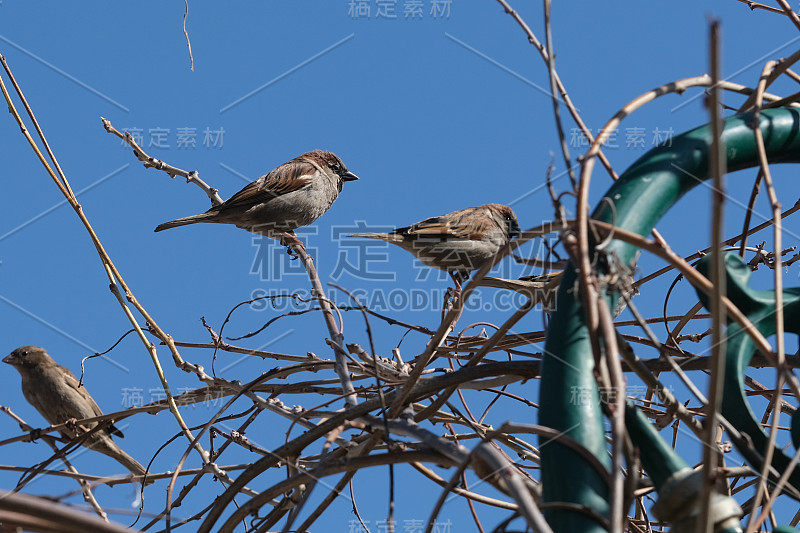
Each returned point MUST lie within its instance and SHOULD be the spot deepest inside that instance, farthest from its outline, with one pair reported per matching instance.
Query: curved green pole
(642, 195)
(679, 487)
(658, 458)
(759, 307)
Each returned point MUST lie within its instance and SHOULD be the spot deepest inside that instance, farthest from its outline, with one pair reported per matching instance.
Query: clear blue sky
(434, 113)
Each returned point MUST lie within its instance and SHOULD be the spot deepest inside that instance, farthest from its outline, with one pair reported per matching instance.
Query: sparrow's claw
(452, 293)
(456, 276)
(290, 240)
(72, 423)
(450, 296)
(446, 301)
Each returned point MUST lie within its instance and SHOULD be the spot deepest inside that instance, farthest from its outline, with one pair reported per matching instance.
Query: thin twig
(551, 69)
(778, 277)
(186, 34)
(115, 278)
(336, 336)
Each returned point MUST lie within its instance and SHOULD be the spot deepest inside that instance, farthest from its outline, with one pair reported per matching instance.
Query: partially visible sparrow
(293, 195)
(54, 392)
(540, 288)
(458, 242)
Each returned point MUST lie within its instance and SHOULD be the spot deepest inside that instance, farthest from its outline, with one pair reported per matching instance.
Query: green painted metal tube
(759, 307)
(643, 194)
(658, 458)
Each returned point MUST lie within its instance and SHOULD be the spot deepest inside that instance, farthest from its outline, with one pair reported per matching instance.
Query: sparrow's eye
(24, 353)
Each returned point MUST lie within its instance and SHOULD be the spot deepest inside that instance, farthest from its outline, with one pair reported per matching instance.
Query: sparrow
(293, 195)
(54, 391)
(458, 242)
(540, 288)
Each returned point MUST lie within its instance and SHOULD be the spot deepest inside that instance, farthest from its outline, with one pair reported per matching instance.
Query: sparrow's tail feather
(389, 237)
(108, 447)
(202, 217)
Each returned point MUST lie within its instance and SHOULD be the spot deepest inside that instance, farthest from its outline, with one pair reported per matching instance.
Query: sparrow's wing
(463, 224)
(287, 178)
(72, 382)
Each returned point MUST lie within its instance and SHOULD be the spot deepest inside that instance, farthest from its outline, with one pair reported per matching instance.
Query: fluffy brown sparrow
(54, 392)
(540, 288)
(458, 242)
(293, 195)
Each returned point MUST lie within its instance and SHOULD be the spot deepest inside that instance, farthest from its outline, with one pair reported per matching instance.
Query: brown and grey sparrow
(54, 391)
(458, 242)
(293, 195)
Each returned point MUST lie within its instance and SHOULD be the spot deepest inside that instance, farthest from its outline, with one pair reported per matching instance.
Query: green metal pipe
(658, 458)
(759, 307)
(642, 195)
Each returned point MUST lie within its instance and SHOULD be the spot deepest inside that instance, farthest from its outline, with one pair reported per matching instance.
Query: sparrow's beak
(514, 230)
(349, 176)
(8, 359)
